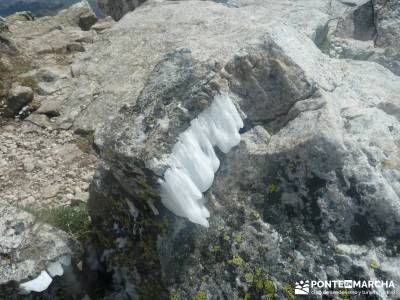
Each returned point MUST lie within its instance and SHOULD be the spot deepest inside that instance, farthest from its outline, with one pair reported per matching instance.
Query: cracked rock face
(364, 30)
(311, 192)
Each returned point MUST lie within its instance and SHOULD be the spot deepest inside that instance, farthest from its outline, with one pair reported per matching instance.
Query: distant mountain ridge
(40, 7)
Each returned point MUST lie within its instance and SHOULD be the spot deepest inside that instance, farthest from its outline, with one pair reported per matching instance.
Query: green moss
(127, 259)
(146, 192)
(149, 248)
(288, 292)
(200, 295)
(103, 239)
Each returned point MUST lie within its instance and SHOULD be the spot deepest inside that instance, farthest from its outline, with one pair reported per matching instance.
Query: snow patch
(39, 284)
(55, 269)
(193, 161)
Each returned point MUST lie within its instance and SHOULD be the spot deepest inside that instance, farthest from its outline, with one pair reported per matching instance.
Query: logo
(302, 287)
(344, 287)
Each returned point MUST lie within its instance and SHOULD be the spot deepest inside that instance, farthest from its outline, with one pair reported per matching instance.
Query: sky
(39, 7)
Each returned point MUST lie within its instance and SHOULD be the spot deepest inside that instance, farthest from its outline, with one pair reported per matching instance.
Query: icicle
(193, 161)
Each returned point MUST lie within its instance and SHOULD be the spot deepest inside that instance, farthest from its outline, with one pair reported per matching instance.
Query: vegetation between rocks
(74, 220)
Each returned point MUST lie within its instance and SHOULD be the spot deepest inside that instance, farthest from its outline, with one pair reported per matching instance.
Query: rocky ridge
(44, 171)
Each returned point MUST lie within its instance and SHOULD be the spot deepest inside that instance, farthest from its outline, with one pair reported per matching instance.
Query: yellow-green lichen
(200, 295)
(288, 291)
(344, 294)
(237, 261)
(248, 277)
(272, 188)
(374, 264)
(216, 248)
(226, 237)
(258, 271)
(173, 295)
(257, 215)
(238, 238)
(269, 288)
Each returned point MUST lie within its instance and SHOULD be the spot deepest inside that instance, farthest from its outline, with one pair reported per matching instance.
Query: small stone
(50, 191)
(87, 20)
(81, 197)
(75, 47)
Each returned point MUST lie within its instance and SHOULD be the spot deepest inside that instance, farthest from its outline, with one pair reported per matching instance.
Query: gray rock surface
(118, 8)
(311, 192)
(368, 30)
(388, 24)
(42, 166)
(46, 45)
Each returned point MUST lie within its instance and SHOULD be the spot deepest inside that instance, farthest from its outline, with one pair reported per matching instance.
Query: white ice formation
(39, 284)
(55, 269)
(43, 281)
(193, 161)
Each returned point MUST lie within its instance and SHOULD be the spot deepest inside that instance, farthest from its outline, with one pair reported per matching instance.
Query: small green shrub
(74, 220)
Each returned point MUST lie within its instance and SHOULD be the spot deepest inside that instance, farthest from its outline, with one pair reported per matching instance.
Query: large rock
(97, 93)
(311, 192)
(18, 97)
(365, 30)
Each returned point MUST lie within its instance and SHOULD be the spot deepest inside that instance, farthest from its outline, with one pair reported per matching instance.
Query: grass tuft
(74, 220)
